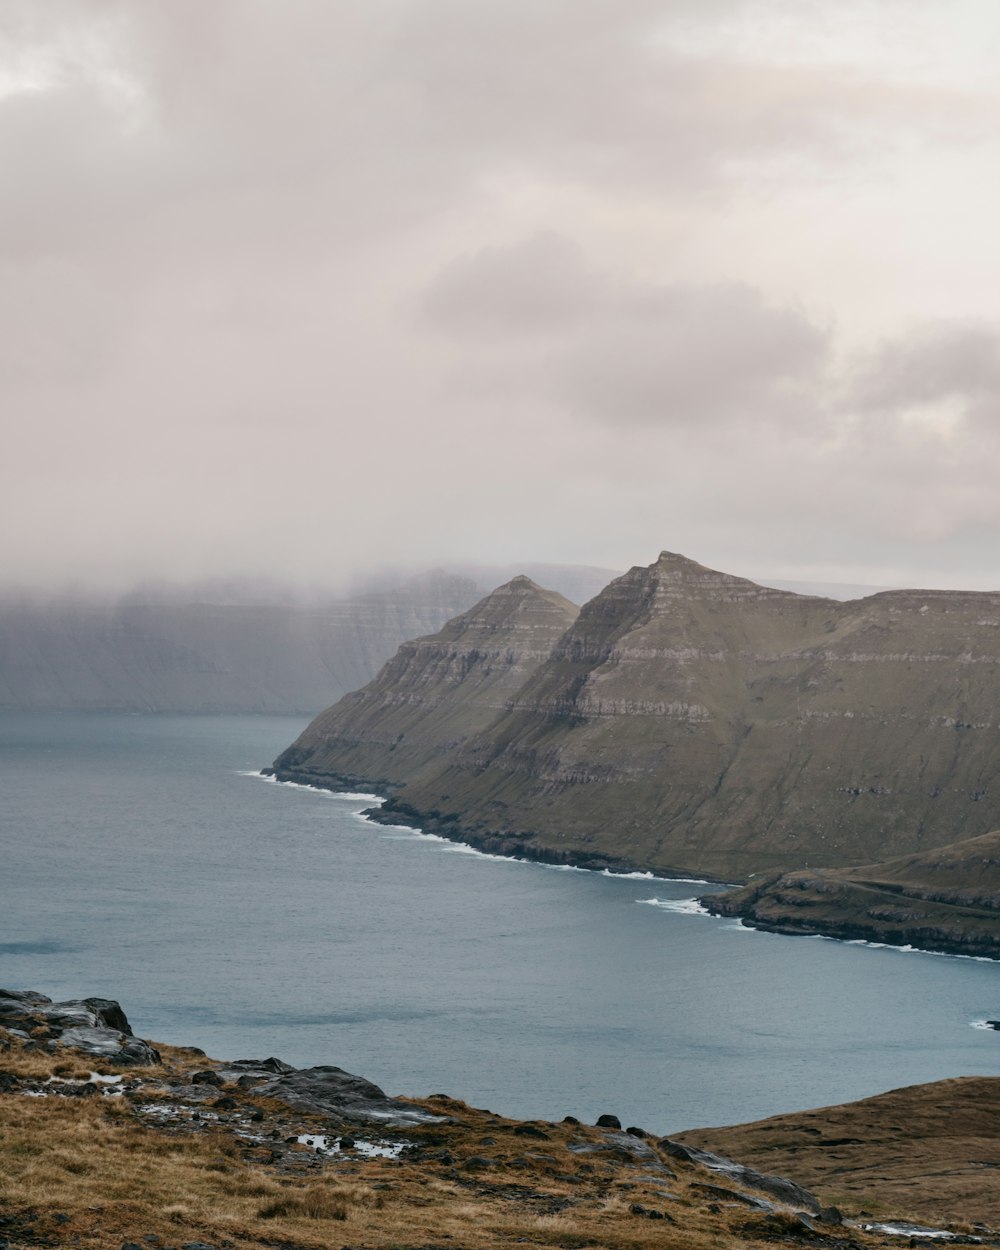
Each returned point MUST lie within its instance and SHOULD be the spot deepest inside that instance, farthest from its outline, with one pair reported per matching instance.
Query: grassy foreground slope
(947, 899)
(932, 1150)
(183, 1155)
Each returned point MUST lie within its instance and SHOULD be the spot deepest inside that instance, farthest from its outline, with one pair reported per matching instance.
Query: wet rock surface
(95, 1026)
(343, 1097)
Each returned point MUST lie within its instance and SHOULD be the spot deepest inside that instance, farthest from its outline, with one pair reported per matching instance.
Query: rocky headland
(114, 1149)
(696, 724)
(942, 900)
(434, 694)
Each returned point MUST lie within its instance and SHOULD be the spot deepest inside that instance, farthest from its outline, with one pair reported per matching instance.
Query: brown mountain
(434, 694)
(694, 722)
(944, 900)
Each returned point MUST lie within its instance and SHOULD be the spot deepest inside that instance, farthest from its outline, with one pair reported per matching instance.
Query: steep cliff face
(435, 693)
(695, 722)
(945, 900)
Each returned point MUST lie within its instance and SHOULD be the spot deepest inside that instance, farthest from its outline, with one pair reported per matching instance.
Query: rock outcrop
(944, 900)
(696, 723)
(94, 1026)
(436, 693)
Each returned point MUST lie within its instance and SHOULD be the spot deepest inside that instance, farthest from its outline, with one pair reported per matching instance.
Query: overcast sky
(306, 287)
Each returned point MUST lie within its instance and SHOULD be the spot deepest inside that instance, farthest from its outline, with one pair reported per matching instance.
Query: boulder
(111, 1046)
(343, 1098)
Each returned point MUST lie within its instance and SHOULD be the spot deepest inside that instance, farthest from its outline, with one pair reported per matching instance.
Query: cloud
(315, 283)
(622, 351)
(542, 283)
(932, 363)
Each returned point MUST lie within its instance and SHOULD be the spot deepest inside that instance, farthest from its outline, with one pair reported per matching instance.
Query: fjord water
(142, 862)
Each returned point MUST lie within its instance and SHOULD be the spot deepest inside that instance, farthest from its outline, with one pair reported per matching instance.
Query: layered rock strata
(434, 694)
(944, 900)
(695, 723)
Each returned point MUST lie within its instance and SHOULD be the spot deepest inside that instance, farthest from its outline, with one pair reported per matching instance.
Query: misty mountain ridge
(693, 722)
(222, 645)
(436, 692)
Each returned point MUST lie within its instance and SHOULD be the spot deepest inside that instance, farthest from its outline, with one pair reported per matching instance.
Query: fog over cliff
(299, 290)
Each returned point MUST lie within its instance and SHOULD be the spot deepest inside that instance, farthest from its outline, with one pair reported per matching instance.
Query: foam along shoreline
(464, 847)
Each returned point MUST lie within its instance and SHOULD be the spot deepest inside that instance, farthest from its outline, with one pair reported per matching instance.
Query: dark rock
(343, 1098)
(111, 1045)
(608, 1121)
(830, 1215)
(207, 1077)
(80, 1089)
(474, 1162)
(275, 1066)
(570, 1119)
(785, 1191)
(636, 1132)
(733, 1195)
(225, 1103)
(347, 1143)
(109, 1013)
(650, 1213)
(529, 1130)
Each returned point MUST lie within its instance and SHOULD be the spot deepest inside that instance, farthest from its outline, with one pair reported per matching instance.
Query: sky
(302, 289)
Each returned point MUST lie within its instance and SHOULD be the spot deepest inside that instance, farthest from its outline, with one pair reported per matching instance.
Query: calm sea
(140, 861)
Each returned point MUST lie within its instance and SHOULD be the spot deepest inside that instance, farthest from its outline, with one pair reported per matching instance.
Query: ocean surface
(142, 860)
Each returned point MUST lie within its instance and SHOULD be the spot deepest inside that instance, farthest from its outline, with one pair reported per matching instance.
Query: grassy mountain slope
(694, 722)
(435, 693)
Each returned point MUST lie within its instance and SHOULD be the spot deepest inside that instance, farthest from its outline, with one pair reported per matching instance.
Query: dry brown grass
(95, 1176)
(930, 1150)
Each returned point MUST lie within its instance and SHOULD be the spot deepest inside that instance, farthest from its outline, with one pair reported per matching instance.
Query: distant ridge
(229, 645)
(696, 723)
(435, 693)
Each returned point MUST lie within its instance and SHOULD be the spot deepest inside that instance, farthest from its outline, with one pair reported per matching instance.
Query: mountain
(947, 899)
(173, 654)
(576, 582)
(434, 694)
(695, 723)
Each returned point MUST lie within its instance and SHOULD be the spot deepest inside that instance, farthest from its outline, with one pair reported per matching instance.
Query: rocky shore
(944, 900)
(113, 1142)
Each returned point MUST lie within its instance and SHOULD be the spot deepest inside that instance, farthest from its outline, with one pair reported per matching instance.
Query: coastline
(792, 905)
(738, 903)
(511, 846)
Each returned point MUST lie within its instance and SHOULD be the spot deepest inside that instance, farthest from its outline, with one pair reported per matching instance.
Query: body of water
(142, 860)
